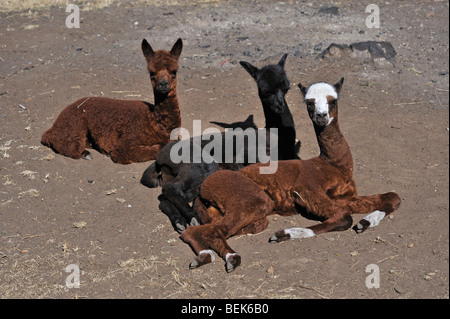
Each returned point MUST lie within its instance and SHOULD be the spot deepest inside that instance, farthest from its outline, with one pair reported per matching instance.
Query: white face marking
(208, 251)
(319, 92)
(297, 232)
(375, 218)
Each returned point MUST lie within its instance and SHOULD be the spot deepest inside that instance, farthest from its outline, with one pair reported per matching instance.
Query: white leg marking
(299, 232)
(375, 218)
(208, 251)
(230, 254)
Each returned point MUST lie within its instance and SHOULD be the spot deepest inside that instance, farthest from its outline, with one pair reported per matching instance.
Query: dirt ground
(56, 211)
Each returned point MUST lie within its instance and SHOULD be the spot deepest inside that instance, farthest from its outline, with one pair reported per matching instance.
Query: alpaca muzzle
(163, 87)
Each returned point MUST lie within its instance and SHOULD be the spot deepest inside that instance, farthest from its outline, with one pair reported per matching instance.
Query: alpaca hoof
(370, 221)
(279, 236)
(233, 261)
(193, 264)
(203, 258)
(361, 226)
(180, 227)
(86, 155)
(194, 222)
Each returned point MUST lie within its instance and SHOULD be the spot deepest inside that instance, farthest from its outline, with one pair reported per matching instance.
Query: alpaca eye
(173, 73)
(152, 74)
(310, 106)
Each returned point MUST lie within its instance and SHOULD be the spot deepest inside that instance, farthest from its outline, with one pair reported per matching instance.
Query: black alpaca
(272, 87)
(181, 181)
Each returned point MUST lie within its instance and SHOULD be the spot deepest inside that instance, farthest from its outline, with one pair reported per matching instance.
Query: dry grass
(86, 5)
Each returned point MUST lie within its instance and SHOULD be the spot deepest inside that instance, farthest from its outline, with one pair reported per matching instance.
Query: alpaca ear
(283, 60)
(303, 89)
(338, 86)
(252, 70)
(147, 50)
(177, 48)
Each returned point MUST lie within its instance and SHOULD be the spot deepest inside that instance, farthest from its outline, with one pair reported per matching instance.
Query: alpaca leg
(378, 205)
(339, 223)
(70, 141)
(86, 155)
(254, 227)
(220, 245)
(199, 238)
(175, 192)
(185, 210)
(68, 135)
(171, 211)
(205, 239)
(385, 204)
(185, 187)
(335, 217)
(126, 153)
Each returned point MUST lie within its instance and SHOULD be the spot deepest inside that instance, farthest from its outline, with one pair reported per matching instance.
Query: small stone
(111, 191)
(410, 245)
(399, 290)
(79, 224)
(329, 10)
(443, 72)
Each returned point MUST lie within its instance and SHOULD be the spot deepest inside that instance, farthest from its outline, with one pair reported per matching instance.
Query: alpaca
(276, 111)
(128, 131)
(181, 181)
(233, 203)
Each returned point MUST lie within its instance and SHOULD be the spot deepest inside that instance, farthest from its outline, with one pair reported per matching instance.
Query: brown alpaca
(233, 203)
(127, 131)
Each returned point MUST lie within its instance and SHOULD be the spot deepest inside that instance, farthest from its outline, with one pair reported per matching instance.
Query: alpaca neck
(334, 148)
(165, 99)
(286, 130)
(277, 120)
(167, 109)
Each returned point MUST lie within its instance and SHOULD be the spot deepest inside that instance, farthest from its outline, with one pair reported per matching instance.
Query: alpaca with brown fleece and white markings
(128, 131)
(232, 203)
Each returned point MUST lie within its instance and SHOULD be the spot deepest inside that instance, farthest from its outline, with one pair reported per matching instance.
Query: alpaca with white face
(233, 203)
(321, 96)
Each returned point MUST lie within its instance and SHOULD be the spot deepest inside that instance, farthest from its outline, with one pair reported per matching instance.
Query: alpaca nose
(163, 85)
(280, 103)
(321, 116)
